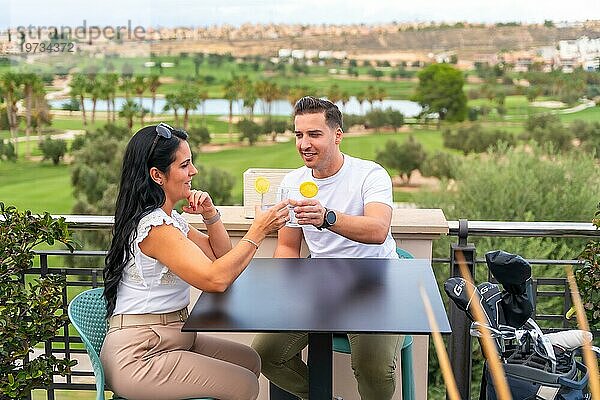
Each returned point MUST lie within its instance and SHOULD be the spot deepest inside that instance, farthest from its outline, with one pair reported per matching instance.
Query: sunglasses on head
(162, 130)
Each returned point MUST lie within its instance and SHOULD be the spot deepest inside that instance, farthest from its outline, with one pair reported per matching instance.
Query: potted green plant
(31, 311)
(588, 277)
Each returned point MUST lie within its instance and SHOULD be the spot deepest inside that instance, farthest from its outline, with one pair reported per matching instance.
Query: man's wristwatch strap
(325, 223)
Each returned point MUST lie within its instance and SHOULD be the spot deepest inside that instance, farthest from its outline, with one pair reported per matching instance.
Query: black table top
(323, 295)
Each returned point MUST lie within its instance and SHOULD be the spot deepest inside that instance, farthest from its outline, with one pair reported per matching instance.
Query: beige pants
(161, 362)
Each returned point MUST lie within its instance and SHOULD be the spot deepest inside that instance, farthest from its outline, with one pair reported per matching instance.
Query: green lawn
(589, 115)
(42, 186)
(36, 186)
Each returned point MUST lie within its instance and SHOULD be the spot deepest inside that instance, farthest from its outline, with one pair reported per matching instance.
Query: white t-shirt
(357, 183)
(148, 286)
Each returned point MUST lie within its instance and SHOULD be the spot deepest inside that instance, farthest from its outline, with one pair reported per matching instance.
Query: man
(349, 217)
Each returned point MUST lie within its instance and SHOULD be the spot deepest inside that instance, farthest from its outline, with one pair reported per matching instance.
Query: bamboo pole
(588, 355)
(440, 349)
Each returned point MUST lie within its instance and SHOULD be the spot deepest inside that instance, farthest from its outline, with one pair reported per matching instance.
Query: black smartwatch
(328, 219)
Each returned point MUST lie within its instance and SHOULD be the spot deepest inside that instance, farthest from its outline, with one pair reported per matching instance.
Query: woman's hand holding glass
(199, 202)
(272, 219)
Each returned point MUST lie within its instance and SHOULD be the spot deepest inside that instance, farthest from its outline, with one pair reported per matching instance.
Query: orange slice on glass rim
(309, 189)
(262, 185)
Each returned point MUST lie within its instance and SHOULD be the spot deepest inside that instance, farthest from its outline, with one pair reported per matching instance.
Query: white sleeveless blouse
(148, 286)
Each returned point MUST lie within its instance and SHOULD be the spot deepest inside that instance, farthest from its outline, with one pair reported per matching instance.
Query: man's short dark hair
(313, 105)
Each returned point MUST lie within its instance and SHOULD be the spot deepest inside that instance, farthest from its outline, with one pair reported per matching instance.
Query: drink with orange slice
(309, 189)
(262, 185)
(306, 190)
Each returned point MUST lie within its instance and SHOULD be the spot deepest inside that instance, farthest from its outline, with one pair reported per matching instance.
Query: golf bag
(537, 366)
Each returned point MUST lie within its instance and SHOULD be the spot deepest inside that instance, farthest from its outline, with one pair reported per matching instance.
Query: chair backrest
(403, 253)
(87, 312)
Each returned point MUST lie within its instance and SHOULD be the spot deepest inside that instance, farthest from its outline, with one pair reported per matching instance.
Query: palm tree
(9, 83)
(232, 92)
(371, 95)
(126, 86)
(361, 97)
(143, 112)
(294, 94)
(96, 91)
(41, 110)
(334, 95)
(249, 98)
(140, 85)
(172, 103)
(78, 89)
(203, 96)
(129, 110)
(381, 93)
(344, 99)
(188, 99)
(268, 92)
(153, 84)
(111, 81)
(29, 81)
(198, 60)
(105, 95)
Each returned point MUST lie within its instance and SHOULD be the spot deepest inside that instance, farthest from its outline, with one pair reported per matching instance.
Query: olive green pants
(373, 361)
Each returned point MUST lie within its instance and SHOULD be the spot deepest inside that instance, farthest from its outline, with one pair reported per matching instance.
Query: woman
(153, 259)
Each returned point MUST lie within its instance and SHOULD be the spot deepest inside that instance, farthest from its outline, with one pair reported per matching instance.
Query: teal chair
(87, 312)
(342, 345)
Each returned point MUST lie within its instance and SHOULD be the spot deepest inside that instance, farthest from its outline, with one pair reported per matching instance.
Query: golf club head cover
(492, 303)
(512, 271)
(458, 290)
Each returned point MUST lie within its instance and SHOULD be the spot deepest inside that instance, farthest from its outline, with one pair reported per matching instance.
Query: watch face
(330, 217)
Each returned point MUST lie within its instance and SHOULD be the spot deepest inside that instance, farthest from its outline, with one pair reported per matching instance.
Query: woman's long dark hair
(138, 196)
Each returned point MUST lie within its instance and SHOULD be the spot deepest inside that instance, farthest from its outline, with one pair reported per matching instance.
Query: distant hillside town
(550, 46)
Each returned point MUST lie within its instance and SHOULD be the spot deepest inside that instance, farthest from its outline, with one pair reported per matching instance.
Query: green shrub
(217, 182)
(274, 127)
(516, 184)
(77, 143)
(351, 120)
(588, 277)
(3, 118)
(376, 119)
(474, 139)
(542, 121)
(198, 136)
(53, 149)
(7, 151)
(97, 166)
(249, 130)
(379, 118)
(29, 313)
(547, 128)
(442, 165)
(404, 157)
(588, 134)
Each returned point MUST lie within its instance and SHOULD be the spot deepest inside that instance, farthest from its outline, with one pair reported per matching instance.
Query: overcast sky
(236, 12)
